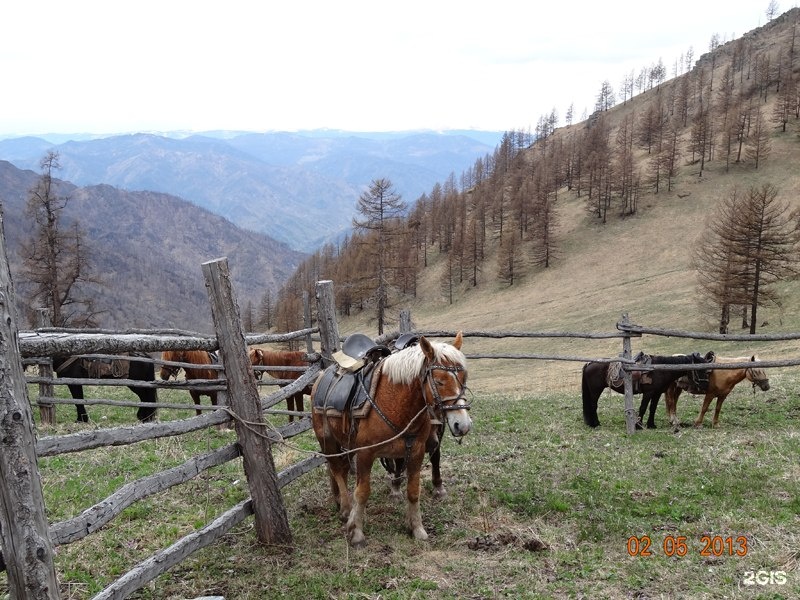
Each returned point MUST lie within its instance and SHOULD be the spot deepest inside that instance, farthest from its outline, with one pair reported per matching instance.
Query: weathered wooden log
(95, 517)
(24, 537)
(271, 521)
(161, 562)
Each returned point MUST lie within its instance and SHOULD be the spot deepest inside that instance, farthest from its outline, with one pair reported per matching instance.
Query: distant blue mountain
(299, 188)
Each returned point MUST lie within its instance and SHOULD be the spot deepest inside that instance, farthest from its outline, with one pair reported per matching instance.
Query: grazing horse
(278, 358)
(126, 367)
(651, 384)
(720, 384)
(195, 357)
(407, 389)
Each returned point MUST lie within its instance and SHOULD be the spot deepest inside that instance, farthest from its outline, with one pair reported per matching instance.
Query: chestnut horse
(412, 386)
(195, 357)
(720, 384)
(282, 358)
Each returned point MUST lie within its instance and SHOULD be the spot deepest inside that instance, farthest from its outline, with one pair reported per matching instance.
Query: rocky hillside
(148, 248)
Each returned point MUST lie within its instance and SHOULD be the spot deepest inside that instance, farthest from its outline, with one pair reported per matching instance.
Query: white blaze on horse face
(458, 420)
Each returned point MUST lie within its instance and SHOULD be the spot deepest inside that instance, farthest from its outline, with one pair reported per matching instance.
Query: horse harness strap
(439, 403)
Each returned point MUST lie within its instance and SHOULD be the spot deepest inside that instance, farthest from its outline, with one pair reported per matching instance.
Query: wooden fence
(35, 578)
(27, 539)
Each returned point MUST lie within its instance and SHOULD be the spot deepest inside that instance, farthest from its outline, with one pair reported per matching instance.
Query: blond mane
(405, 367)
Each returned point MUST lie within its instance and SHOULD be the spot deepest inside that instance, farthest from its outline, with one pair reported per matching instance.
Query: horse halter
(751, 374)
(172, 370)
(439, 402)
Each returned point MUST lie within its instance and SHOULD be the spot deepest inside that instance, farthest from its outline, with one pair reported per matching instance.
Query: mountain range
(298, 188)
(155, 207)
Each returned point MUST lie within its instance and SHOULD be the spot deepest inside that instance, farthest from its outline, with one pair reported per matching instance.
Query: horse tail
(589, 400)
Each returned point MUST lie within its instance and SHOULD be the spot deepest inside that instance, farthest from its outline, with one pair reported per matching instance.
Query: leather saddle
(696, 382)
(346, 385)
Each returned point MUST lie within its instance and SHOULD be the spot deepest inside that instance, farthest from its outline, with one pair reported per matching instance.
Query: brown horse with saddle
(720, 383)
(384, 405)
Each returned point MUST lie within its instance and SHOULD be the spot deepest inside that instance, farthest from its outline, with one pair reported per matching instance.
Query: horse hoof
(357, 539)
(420, 534)
(439, 493)
(395, 494)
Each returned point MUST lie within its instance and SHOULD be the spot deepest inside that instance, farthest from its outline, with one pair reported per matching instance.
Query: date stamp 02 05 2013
(710, 546)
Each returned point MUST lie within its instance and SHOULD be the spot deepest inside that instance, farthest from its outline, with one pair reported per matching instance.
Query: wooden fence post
(47, 412)
(307, 321)
(326, 316)
(26, 545)
(630, 412)
(272, 524)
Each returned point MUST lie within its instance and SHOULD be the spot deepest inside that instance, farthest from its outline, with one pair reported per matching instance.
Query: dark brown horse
(720, 383)
(282, 358)
(408, 389)
(188, 358)
(126, 367)
(650, 384)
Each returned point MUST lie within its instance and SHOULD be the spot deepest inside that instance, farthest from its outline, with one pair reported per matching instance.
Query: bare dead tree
(56, 259)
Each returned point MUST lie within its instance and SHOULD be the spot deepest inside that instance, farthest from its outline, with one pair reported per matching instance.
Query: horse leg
(589, 396)
(671, 399)
(145, 414)
(294, 403)
(698, 422)
(355, 523)
(434, 450)
(196, 398)
(642, 409)
(395, 468)
(338, 463)
(717, 409)
(76, 391)
(651, 419)
(338, 470)
(413, 513)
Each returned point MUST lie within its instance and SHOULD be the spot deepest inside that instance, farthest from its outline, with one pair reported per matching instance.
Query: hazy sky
(113, 66)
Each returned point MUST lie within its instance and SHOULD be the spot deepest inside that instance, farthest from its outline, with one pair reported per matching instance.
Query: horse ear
(427, 348)
(753, 358)
(457, 343)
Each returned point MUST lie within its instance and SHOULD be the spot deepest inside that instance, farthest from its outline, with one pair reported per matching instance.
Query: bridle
(172, 370)
(439, 404)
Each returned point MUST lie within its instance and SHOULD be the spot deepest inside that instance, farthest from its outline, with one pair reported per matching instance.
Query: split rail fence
(28, 540)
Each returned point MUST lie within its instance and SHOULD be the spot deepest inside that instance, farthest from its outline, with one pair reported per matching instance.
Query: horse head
(168, 371)
(758, 377)
(445, 383)
(256, 358)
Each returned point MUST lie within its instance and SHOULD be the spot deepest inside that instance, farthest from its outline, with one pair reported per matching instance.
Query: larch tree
(381, 209)
(754, 243)
(56, 259)
(758, 143)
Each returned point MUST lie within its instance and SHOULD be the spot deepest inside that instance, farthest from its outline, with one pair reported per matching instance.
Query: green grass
(539, 506)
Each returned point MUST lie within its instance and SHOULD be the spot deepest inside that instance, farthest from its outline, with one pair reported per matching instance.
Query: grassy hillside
(638, 265)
